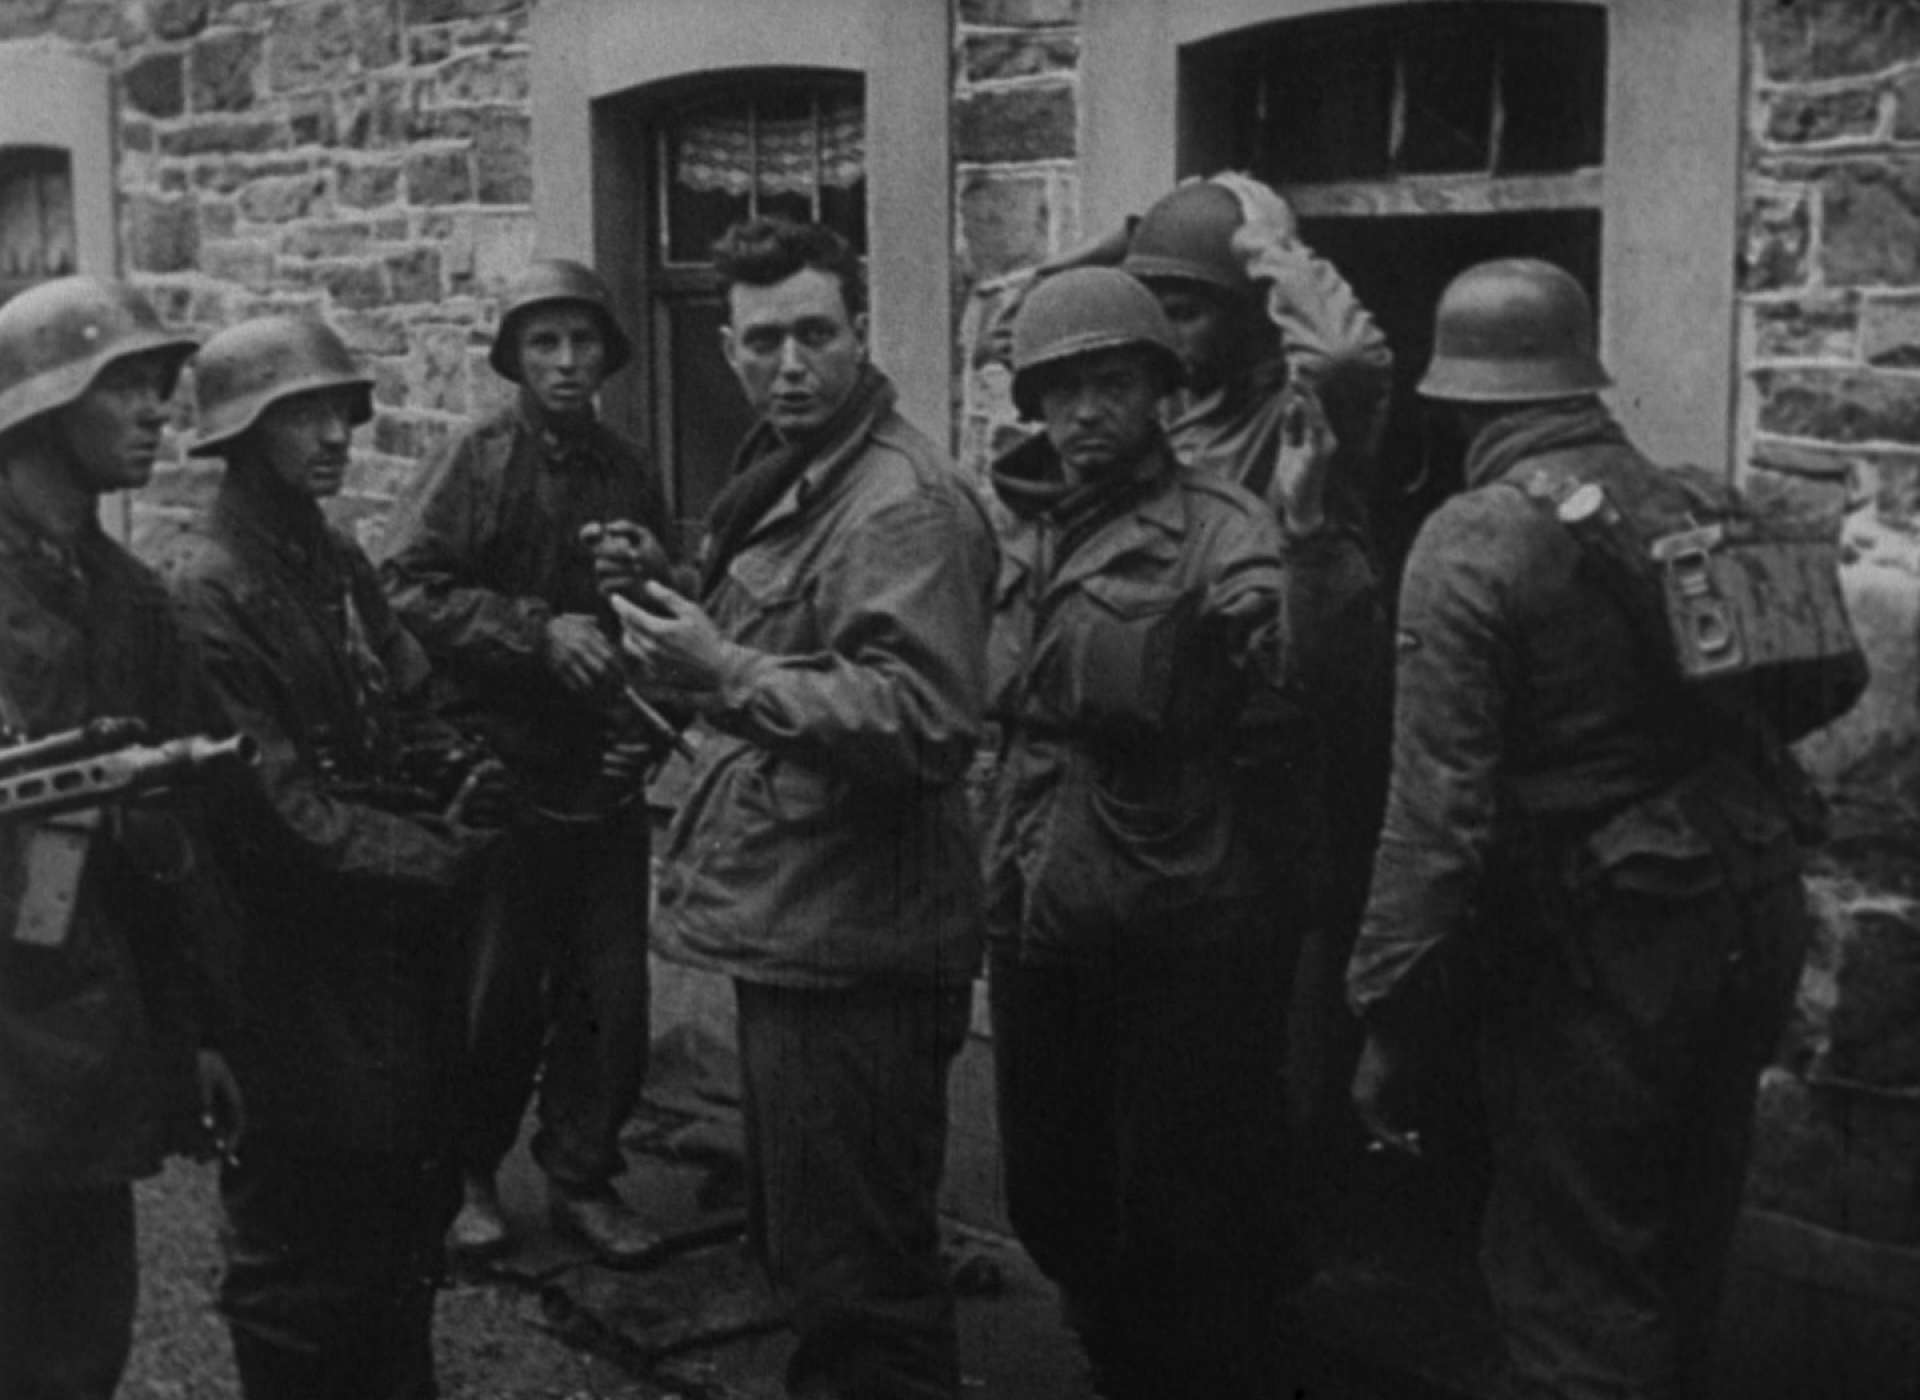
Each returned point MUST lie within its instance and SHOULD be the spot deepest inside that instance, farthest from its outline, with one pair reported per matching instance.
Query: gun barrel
(660, 726)
(95, 736)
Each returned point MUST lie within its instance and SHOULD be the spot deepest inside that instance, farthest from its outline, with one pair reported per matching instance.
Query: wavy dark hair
(763, 252)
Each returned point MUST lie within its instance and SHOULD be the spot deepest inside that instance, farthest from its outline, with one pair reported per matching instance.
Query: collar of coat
(1031, 483)
(289, 523)
(1533, 432)
(564, 443)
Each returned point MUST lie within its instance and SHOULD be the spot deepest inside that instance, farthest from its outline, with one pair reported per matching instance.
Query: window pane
(785, 153)
(785, 150)
(1329, 112)
(708, 176)
(843, 166)
(1447, 65)
(1553, 82)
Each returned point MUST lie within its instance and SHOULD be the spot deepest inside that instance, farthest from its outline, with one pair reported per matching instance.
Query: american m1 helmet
(1187, 235)
(1078, 312)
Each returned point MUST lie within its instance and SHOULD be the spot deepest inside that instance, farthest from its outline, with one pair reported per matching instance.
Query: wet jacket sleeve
(288, 808)
(1456, 672)
(897, 690)
(431, 563)
(1316, 582)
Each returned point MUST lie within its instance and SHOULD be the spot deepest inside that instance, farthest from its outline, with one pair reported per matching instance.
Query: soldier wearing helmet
(1136, 987)
(1282, 359)
(1566, 832)
(486, 564)
(353, 875)
(112, 941)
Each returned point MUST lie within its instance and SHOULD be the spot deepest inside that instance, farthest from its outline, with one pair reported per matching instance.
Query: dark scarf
(766, 467)
(1533, 432)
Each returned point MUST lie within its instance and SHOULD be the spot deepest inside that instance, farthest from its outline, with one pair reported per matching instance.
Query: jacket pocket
(1654, 851)
(1119, 649)
(1129, 861)
(772, 600)
(758, 813)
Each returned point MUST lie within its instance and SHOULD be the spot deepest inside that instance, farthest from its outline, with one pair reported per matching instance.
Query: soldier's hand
(223, 1110)
(675, 642)
(578, 652)
(624, 554)
(1302, 459)
(1269, 220)
(1380, 1091)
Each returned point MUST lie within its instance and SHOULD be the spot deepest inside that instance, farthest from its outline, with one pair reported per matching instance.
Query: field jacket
(823, 838)
(348, 902)
(1120, 688)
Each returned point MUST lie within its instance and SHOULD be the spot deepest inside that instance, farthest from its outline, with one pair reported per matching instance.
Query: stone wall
(1830, 413)
(1016, 183)
(367, 159)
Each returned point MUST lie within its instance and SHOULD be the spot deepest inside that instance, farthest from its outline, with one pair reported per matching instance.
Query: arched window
(788, 144)
(1414, 140)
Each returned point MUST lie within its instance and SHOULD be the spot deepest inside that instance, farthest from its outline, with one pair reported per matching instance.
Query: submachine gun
(106, 760)
(52, 791)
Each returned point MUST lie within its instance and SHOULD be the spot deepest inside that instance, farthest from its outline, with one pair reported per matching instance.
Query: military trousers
(67, 1291)
(332, 1262)
(1619, 1080)
(1143, 1134)
(555, 985)
(845, 1099)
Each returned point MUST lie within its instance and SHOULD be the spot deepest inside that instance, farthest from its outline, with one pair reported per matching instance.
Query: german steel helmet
(1513, 331)
(544, 283)
(1188, 234)
(56, 337)
(246, 368)
(1079, 311)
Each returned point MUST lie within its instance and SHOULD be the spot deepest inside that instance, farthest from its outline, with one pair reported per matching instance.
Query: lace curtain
(722, 150)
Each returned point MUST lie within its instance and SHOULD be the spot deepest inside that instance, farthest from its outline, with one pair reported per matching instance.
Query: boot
(479, 1231)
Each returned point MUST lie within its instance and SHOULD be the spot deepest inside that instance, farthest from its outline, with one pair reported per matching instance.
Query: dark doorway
(1399, 266)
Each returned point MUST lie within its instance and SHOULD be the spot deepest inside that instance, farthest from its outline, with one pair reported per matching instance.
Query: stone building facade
(391, 163)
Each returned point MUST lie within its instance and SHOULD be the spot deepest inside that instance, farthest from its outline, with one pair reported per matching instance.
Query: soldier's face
(563, 357)
(793, 347)
(1202, 330)
(305, 440)
(1101, 411)
(114, 430)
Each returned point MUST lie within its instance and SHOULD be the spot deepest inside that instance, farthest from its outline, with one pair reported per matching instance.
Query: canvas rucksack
(1742, 606)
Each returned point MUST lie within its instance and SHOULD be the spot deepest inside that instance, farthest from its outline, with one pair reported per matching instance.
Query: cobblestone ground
(492, 1341)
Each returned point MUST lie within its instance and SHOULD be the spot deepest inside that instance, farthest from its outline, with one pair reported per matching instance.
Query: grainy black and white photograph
(930, 699)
